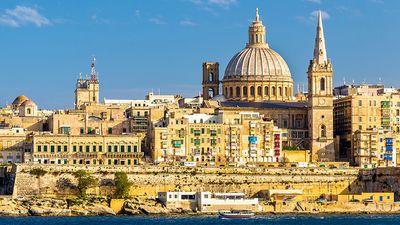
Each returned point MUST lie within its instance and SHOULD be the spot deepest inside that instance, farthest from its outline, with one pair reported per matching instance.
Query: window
(359, 102)
(94, 148)
(52, 148)
(322, 84)
(231, 92)
(58, 148)
(80, 148)
(259, 91)
(82, 130)
(211, 77)
(210, 92)
(115, 148)
(266, 91)
(87, 148)
(129, 148)
(323, 131)
(252, 91)
(65, 148)
(28, 111)
(109, 148)
(39, 148)
(45, 148)
(74, 148)
(273, 91)
(100, 148)
(110, 130)
(134, 148)
(245, 91)
(237, 91)
(280, 91)
(122, 148)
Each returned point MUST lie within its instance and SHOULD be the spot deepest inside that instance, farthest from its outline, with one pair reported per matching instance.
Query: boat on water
(236, 214)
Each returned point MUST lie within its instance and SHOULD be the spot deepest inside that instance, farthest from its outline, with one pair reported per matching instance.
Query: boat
(236, 214)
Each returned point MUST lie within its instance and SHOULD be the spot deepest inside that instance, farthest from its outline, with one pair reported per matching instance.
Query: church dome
(18, 101)
(28, 103)
(257, 61)
(257, 73)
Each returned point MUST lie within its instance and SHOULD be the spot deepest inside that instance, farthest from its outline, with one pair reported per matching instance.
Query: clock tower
(320, 101)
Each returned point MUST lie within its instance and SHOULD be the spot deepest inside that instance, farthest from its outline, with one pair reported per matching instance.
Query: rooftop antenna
(298, 88)
(80, 76)
(303, 88)
(380, 80)
(344, 81)
(93, 73)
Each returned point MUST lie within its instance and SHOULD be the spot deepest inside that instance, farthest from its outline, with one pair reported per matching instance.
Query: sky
(160, 45)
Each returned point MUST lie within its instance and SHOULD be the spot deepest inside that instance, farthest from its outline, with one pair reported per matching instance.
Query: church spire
(320, 56)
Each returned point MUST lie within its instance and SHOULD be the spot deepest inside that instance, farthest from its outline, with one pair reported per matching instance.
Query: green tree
(122, 185)
(85, 181)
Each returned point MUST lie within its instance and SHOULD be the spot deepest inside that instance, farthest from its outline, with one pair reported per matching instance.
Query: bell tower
(87, 90)
(210, 80)
(320, 100)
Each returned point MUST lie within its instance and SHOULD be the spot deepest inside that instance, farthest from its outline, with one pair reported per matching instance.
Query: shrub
(85, 181)
(38, 172)
(122, 184)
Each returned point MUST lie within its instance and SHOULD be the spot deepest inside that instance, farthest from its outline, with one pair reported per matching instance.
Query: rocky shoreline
(142, 206)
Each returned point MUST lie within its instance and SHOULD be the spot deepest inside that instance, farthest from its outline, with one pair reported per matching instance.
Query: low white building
(207, 201)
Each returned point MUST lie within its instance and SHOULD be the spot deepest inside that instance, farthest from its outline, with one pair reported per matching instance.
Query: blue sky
(142, 45)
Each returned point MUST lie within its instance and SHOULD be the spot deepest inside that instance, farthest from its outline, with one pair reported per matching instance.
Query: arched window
(245, 91)
(231, 92)
(280, 91)
(28, 111)
(210, 92)
(266, 91)
(252, 91)
(259, 91)
(273, 91)
(323, 131)
(322, 84)
(226, 91)
(237, 91)
(211, 77)
(285, 92)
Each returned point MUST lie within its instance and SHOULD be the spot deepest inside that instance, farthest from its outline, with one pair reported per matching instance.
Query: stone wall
(149, 180)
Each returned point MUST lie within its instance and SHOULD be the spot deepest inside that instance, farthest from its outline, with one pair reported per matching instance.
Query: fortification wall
(148, 181)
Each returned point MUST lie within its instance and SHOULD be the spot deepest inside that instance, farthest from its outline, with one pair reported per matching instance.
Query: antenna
(93, 73)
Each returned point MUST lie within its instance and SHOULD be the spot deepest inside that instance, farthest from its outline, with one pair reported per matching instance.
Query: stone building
(12, 145)
(87, 90)
(374, 148)
(215, 137)
(258, 79)
(85, 149)
(364, 110)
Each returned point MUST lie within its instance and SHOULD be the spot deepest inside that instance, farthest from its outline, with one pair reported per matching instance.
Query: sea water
(207, 220)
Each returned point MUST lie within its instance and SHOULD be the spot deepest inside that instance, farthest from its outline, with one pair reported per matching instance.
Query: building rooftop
(266, 104)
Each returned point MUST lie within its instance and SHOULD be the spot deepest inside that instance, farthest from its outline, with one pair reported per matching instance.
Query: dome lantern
(257, 33)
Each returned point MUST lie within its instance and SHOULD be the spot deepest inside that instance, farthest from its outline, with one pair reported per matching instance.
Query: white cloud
(157, 20)
(137, 13)
(324, 14)
(98, 20)
(221, 3)
(315, 1)
(377, 1)
(312, 17)
(23, 15)
(187, 22)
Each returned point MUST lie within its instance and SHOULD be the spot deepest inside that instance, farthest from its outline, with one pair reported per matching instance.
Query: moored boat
(236, 214)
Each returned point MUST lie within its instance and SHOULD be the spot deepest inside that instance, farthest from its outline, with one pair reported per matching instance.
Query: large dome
(261, 62)
(257, 73)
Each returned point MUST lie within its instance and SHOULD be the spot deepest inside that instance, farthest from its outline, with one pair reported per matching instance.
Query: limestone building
(85, 149)
(214, 137)
(87, 90)
(258, 79)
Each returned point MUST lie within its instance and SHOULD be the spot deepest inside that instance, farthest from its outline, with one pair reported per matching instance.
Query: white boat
(236, 214)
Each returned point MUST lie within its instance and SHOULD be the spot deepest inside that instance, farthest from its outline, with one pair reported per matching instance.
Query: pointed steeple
(320, 55)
